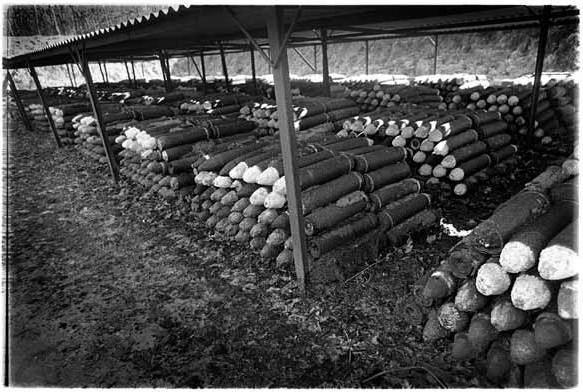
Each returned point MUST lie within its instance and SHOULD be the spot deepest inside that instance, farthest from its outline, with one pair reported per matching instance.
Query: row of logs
(507, 291)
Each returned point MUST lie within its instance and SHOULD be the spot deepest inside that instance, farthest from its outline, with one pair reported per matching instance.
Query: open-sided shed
(200, 30)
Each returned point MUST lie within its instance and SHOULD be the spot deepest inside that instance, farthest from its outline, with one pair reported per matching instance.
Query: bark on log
(324, 171)
(330, 191)
(451, 143)
(422, 220)
(493, 128)
(467, 168)
(386, 175)
(398, 211)
(326, 217)
(377, 159)
(347, 232)
(463, 154)
(392, 192)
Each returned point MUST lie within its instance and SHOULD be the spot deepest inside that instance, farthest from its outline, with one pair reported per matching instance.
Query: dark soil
(108, 288)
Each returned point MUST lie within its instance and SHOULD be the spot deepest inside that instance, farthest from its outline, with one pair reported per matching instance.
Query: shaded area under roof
(195, 29)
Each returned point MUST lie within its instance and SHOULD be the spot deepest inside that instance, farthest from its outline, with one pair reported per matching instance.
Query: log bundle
(373, 95)
(349, 188)
(310, 115)
(218, 104)
(507, 292)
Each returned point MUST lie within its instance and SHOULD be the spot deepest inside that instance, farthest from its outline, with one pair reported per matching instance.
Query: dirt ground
(111, 289)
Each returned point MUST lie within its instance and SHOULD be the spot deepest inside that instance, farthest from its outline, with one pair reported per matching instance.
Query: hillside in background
(496, 54)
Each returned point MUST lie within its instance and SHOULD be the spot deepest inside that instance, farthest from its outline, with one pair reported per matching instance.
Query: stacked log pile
(373, 95)
(219, 104)
(507, 292)
(349, 188)
(310, 115)
(63, 118)
(159, 153)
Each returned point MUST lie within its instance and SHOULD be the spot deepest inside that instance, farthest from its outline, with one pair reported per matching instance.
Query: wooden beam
(105, 70)
(134, 73)
(43, 102)
(224, 65)
(253, 71)
(69, 73)
(101, 71)
(203, 72)
(287, 138)
(101, 128)
(125, 62)
(305, 60)
(315, 58)
(19, 103)
(195, 66)
(366, 57)
(540, 57)
(435, 44)
(325, 71)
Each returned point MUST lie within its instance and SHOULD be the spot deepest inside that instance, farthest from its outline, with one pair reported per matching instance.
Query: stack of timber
(378, 96)
(507, 292)
(448, 85)
(159, 153)
(468, 150)
(311, 116)
(63, 118)
(349, 188)
(219, 104)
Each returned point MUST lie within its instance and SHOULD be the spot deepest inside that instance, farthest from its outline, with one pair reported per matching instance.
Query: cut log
(421, 221)
(550, 330)
(491, 279)
(451, 143)
(440, 284)
(468, 298)
(505, 316)
(524, 349)
(377, 159)
(399, 210)
(565, 367)
(496, 142)
(481, 332)
(498, 362)
(340, 235)
(451, 128)
(493, 128)
(463, 154)
(386, 175)
(184, 136)
(552, 176)
(433, 330)
(330, 191)
(451, 318)
(324, 171)
(530, 292)
(467, 168)
(567, 299)
(559, 259)
(522, 251)
(329, 216)
(392, 192)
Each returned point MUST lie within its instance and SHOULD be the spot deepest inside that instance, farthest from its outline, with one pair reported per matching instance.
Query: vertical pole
(101, 129)
(70, 77)
(106, 74)
(253, 71)
(73, 74)
(224, 64)
(540, 57)
(168, 75)
(203, 72)
(366, 57)
(315, 58)
(134, 73)
(188, 64)
(288, 143)
(143, 73)
(165, 73)
(41, 96)
(19, 103)
(436, 42)
(325, 72)
(101, 71)
(125, 62)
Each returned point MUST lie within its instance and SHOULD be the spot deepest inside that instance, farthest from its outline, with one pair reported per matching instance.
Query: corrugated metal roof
(183, 29)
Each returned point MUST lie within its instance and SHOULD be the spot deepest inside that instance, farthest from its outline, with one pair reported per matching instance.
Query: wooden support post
(19, 103)
(288, 143)
(43, 102)
(101, 129)
(540, 57)
(101, 71)
(224, 64)
(304, 59)
(70, 77)
(435, 44)
(188, 64)
(143, 73)
(253, 71)
(125, 62)
(73, 74)
(106, 74)
(203, 72)
(134, 73)
(315, 58)
(366, 57)
(325, 72)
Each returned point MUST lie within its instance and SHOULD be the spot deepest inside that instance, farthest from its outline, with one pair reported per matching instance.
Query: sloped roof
(186, 29)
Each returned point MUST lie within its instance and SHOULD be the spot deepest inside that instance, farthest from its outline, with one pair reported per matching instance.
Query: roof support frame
(325, 70)
(253, 70)
(43, 102)
(19, 103)
(312, 67)
(224, 66)
(540, 56)
(289, 151)
(101, 128)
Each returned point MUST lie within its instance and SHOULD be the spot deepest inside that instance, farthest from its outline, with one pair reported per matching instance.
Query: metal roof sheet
(185, 29)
